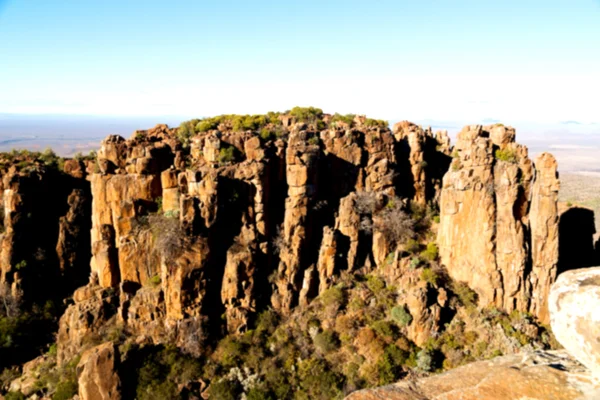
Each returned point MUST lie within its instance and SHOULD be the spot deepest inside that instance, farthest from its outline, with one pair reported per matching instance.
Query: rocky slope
(573, 302)
(268, 232)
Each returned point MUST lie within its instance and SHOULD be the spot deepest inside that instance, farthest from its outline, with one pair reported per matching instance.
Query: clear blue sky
(440, 59)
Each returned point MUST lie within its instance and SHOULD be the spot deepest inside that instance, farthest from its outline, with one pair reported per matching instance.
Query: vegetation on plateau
(270, 126)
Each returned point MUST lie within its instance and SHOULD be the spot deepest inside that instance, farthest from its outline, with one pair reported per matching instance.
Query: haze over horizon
(438, 60)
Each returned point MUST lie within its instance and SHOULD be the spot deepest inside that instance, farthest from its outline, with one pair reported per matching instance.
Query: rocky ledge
(565, 374)
(537, 375)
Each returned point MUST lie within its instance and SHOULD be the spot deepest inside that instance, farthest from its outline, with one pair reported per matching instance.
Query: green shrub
(415, 262)
(21, 265)
(425, 360)
(318, 381)
(430, 276)
(230, 352)
(431, 252)
(306, 114)
(228, 154)
(52, 350)
(208, 124)
(225, 389)
(385, 329)
(507, 155)
(375, 284)
(267, 321)
(389, 259)
(266, 134)
(66, 390)
(333, 296)
(401, 316)
(50, 159)
(465, 294)
(186, 130)
(389, 365)
(376, 123)
(154, 281)
(326, 342)
(347, 119)
(259, 393)
(160, 371)
(314, 141)
(14, 396)
(412, 246)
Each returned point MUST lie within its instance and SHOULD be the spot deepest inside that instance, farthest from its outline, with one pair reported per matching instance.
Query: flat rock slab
(540, 375)
(574, 305)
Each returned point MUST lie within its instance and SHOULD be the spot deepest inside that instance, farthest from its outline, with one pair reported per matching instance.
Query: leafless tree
(278, 241)
(365, 203)
(396, 225)
(167, 237)
(10, 301)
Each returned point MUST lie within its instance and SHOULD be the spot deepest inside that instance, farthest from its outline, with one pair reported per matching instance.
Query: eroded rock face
(44, 246)
(97, 373)
(83, 321)
(537, 375)
(574, 303)
(226, 198)
(498, 216)
(544, 218)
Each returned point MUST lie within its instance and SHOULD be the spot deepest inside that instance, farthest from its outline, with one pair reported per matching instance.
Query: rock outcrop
(44, 246)
(97, 373)
(499, 220)
(236, 223)
(573, 303)
(537, 375)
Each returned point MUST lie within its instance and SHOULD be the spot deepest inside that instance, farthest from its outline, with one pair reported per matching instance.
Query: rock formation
(44, 251)
(232, 196)
(97, 374)
(178, 237)
(499, 220)
(573, 303)
(539, 375)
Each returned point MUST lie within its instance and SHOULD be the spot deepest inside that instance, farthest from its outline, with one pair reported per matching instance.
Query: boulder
(97, 373)
(574, 303)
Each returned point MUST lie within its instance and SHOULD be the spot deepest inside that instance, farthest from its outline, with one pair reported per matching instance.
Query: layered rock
(498, 220)
(301, 175)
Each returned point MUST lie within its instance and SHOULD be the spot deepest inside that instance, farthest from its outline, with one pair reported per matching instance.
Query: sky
(510, 60)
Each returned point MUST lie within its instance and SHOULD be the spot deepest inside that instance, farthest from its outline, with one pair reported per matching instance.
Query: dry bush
(10, 301)
(168, 238)
(278, 242)
(365, 203)
(395, 224)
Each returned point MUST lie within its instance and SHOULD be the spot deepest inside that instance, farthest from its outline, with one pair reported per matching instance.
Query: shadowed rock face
(45, 245)
(499, 220)
(231, 196)
(576, 245)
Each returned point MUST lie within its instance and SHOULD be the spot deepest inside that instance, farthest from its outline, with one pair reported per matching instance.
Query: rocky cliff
(309, 236)
(499, 220)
